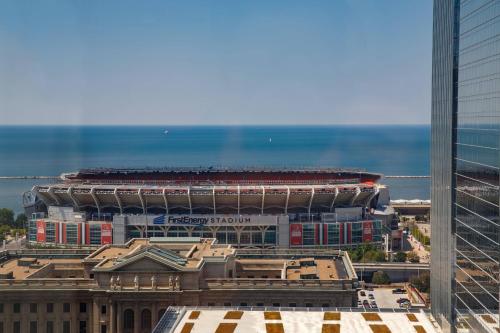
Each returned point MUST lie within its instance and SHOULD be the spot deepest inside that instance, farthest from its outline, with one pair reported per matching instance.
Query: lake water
(51, 150)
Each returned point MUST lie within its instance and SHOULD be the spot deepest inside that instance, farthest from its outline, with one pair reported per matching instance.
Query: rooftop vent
(25, 262)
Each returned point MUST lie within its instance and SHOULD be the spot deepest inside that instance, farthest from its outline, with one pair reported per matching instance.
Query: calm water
(391, 150)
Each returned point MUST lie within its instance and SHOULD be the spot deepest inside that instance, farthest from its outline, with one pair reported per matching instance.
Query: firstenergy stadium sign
(215, 220)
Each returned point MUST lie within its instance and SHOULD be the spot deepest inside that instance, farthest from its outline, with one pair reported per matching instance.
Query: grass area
(331, 316)
(187, 328)
(275, 328)
(194, 314)
(380, 328)
(420, 329)
(272, 315)
(330, 328)
(412, 317)
(371, 316)
(488, 319)
(226, 328)
(233, 315)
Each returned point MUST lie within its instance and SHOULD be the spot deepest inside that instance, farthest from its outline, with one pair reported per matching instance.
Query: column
(74, 317)
(119, 317)
(96, 315)
(111, 317)
(90, 316)
(154, 314)
(41, 318)
(24, 317)
(137, 318)
(7, 308)
(58, 320)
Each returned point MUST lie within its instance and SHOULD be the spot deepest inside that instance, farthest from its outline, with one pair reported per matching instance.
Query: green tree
(381, 277)
(6, 216)
(4, 230)
(375, 256)
(413, 257)
(425, 240)
(422, 282)
(400, 257)
(20, 232)
(21, 221)
(367, 253)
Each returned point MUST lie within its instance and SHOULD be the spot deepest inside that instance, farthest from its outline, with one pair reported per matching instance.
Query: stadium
(244, 207)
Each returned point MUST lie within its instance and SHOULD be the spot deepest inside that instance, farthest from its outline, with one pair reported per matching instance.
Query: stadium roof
(228, 176)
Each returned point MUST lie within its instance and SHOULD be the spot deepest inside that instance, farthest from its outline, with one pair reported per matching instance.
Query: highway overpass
(411, 207)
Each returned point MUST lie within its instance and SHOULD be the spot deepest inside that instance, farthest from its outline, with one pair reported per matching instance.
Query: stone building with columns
(127, 288)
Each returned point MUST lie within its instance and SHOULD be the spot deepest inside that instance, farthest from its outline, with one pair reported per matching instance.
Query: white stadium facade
(245, 208)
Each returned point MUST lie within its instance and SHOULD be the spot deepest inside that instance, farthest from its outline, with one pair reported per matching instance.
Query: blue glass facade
(465, 165)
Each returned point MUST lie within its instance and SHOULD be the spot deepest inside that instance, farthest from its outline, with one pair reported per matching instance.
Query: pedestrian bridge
(397, 271)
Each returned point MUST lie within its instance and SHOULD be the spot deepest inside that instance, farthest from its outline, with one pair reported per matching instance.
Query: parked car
(370, 296)
(404, 304)
(362, 293)
(398, 291)
(365, 303)
(403, 300)
(359, 303)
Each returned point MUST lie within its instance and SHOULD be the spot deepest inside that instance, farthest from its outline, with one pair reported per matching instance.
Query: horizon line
(212, 125)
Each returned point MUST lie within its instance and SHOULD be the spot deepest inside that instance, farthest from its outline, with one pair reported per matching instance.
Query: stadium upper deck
(211, 176)
(211, 191)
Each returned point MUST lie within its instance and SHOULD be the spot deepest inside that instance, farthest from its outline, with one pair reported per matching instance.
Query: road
(419, 249)
(15, 245)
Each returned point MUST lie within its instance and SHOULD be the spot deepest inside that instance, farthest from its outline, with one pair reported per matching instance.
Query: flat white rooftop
(246, 320)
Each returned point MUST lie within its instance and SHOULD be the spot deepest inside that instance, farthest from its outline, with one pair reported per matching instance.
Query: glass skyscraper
(465, 246)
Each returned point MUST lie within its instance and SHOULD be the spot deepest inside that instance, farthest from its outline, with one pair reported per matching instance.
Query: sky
(224, 62)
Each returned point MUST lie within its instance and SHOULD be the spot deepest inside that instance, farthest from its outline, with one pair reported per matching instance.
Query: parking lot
(383, 297)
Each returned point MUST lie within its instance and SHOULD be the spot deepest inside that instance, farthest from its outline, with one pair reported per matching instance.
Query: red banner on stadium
(79, 227)
(296, 234)
(316, 234)
(57, 232)
(40, 231)
(367, 231)
(87, 233)
(325, 234)
(106, 234)
(341, 233)
(349, 233)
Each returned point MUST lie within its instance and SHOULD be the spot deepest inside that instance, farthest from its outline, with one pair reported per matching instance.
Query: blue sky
(215, 62)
